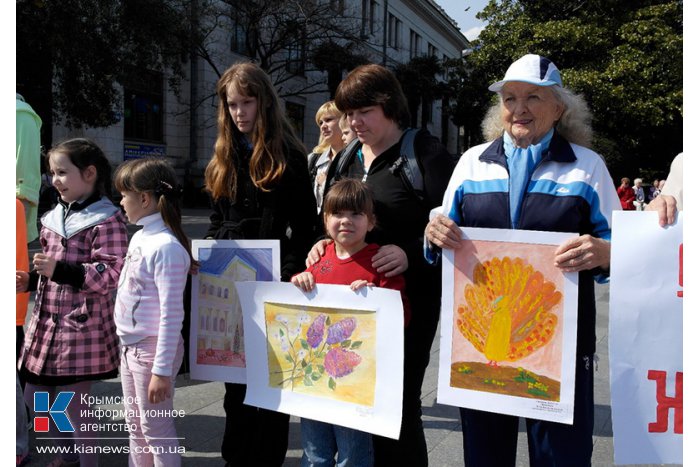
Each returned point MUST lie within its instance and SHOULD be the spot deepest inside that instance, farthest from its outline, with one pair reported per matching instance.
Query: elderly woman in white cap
(536, 173)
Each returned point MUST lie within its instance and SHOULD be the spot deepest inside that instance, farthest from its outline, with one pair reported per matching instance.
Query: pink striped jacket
(72, 330)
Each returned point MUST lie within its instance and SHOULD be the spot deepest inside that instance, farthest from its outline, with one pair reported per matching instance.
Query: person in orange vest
(22, 265)
(22, 435)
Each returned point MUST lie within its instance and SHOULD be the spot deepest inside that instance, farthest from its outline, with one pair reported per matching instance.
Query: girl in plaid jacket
(150, 308)
(71, 339)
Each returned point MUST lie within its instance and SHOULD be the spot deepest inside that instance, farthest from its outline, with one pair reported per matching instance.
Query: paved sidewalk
(202, 427)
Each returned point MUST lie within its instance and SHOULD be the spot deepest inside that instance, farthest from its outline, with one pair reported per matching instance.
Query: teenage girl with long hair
(150, 309)
(260, 188)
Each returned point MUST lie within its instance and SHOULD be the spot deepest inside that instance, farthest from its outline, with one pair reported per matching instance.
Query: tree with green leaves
(624, 56)
(70, 53)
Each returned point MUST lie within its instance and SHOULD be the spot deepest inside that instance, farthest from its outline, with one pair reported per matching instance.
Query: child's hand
(44, 265)
(360, 283)
(21, 281)
(158, 389)
(305, 281)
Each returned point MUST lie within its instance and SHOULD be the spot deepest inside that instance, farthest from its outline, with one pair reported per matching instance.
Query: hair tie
(167, 190)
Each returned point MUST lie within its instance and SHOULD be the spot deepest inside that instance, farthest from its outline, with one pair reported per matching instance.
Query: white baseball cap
(533, 69)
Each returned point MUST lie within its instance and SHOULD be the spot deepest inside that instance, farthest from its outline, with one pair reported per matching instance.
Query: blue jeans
(321, 441)
(490, 439)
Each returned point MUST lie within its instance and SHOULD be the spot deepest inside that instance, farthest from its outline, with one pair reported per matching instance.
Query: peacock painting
(506, 313)
(507, 310)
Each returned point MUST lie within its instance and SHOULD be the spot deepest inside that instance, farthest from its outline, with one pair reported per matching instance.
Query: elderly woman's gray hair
(574, 124)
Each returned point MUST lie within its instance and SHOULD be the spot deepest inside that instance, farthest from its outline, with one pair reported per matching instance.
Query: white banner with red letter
(646, 339)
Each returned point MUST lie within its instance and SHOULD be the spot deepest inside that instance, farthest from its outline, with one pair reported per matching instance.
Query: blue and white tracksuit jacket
(570, 191)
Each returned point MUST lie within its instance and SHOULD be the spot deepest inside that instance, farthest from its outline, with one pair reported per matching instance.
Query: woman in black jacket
(260, 189)
(377, 111)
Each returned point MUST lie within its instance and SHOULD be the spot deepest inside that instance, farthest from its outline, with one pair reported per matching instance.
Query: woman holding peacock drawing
(536, 173)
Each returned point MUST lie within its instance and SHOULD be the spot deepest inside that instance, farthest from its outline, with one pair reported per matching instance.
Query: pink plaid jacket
(72, 331)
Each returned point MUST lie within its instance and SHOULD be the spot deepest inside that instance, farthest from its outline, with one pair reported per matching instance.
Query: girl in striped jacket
(150, 309)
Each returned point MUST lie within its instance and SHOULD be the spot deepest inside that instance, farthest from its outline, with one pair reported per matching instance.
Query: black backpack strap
(411, 173)
(407, 164)
(410, 167)
(344, 159)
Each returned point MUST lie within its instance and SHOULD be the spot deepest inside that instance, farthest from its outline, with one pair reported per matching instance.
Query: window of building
(143, 108)
(365, 19)
(295, 114)
(374, 17)
(295, 56)
(370, 18)
(394, 35)
(416, 44)
(238, 36)
(432, 50)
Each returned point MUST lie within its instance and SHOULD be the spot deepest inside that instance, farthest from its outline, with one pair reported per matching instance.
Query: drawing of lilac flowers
(341, 331)
(326, 351)
(314, 335)
(341, 362)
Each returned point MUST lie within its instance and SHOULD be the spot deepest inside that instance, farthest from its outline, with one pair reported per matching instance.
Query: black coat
(287, 213)
(401, 217)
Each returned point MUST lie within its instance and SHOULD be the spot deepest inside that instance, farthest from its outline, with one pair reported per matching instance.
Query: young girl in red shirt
(347, 260)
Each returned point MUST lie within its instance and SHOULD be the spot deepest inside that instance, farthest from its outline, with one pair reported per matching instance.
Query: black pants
(491, 439)
(410, 449)
(253, 436)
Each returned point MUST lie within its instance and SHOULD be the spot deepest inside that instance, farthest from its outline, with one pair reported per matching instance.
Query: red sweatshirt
(332, 270)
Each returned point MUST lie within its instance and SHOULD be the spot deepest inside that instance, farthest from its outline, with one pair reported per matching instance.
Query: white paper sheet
(217, 351)
(540, 384)
(378, 314)
(646, 335)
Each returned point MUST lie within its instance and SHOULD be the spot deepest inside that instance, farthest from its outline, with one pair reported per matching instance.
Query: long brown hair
(155, 176)
(273, 136)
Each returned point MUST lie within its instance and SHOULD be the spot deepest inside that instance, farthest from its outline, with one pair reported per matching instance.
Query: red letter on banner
(680, 270)
(664, 403)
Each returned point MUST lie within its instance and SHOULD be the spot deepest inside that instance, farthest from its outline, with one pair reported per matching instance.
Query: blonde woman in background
(330, 143)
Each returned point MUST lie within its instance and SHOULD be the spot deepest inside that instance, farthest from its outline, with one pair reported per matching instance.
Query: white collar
(152, 223)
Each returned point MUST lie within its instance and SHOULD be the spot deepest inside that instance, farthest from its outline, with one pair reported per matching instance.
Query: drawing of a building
(220, 315)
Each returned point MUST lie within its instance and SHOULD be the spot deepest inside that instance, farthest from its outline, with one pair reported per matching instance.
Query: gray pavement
(202, 427)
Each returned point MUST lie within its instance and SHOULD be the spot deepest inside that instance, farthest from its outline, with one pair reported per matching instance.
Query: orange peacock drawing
(507, 315)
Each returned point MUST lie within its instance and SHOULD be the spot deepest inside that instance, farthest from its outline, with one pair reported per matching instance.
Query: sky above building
(468, 24)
